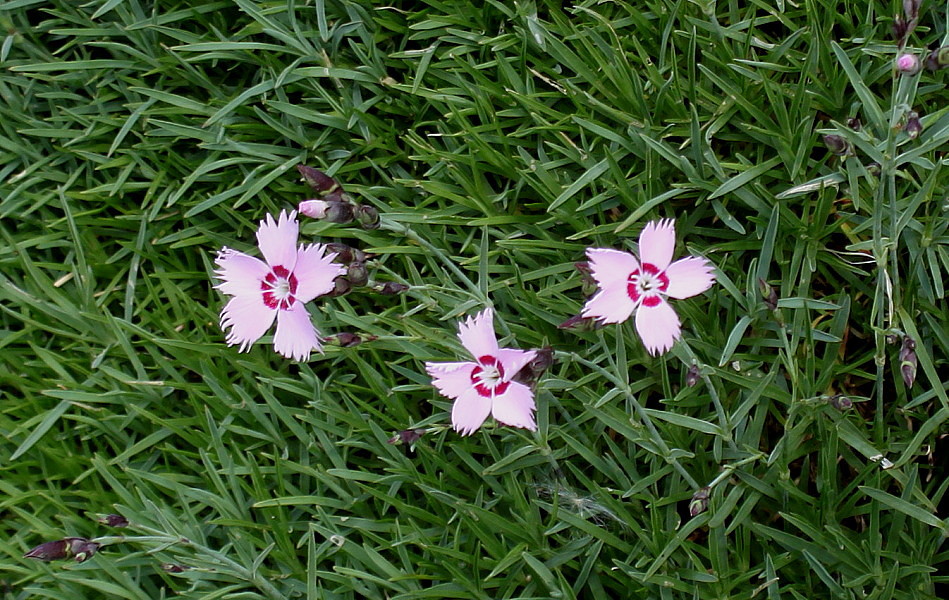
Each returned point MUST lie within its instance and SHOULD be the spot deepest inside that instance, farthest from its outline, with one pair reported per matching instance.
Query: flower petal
(513, 360)
(658, 326)
(515, 407)
(656, 243)
(248, 317)
(296, 336)
(315, 272)
(611, 305)
(477, 334)
(470, 411)
(611, 268)
(240, 274)
(315, 209)
(278, 240)
(451, 380)
(689, 276)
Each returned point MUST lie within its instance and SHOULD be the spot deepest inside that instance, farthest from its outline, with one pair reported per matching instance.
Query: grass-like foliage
(498, 140)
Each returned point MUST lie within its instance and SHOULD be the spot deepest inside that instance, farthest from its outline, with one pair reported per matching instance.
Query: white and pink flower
(276, 288)
(642, 286)
(485, 386)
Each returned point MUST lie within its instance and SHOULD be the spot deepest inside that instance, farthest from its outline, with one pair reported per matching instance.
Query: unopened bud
(358, 274)
(907, 64)
(908, 361)
(341, 286)
(913, 127)
(344, 254)
(911, 9)
(854, 123)
(768, 294)
(837, 145)
(318, 180)
(900, 30)
(841, 402)
(699, 503)
(113, 520)
(692, 376)
(345, 339)
(938, 59)
(173, 568)
(79, 548)
(367, 216)
(392, 288)
(315, 209)
(580, 323)
(339, 211)
(874, 168)
(532, 371)
(407, 437)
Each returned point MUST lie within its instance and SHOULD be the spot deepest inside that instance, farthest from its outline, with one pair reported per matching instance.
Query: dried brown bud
(692, 376)
(407, 437)
(699, 502)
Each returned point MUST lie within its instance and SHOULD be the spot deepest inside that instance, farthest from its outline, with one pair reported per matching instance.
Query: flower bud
(113, 520)
(358, 274)
(407, 437)
(392, 288)
(341, 287)
(699, 503)
(841, 402)
(911, 9)
(532, 371)
(345, 339)
(692, 376)
(908, 361)
(837, 145)
(767, 292)
(344, 254)
(318, 180)
(913, 127)
(854, 123)
(907, 64)
(900, 30)
(79, 548)
(938, 59)
(315, 209)
(580, 323)
(173, 568)
(367, 216)
(339, 211)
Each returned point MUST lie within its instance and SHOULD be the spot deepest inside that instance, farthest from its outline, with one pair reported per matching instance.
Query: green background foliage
(499, 140)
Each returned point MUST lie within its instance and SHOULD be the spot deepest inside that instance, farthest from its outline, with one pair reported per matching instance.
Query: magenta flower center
(279, 287)
(646, 284)
(488, 376)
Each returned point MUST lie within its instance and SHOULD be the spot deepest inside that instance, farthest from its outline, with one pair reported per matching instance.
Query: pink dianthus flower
(629, 285)
(485, 386)
(276, 288)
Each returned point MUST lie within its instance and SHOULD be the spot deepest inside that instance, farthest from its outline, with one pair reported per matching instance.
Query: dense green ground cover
(499, 142)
